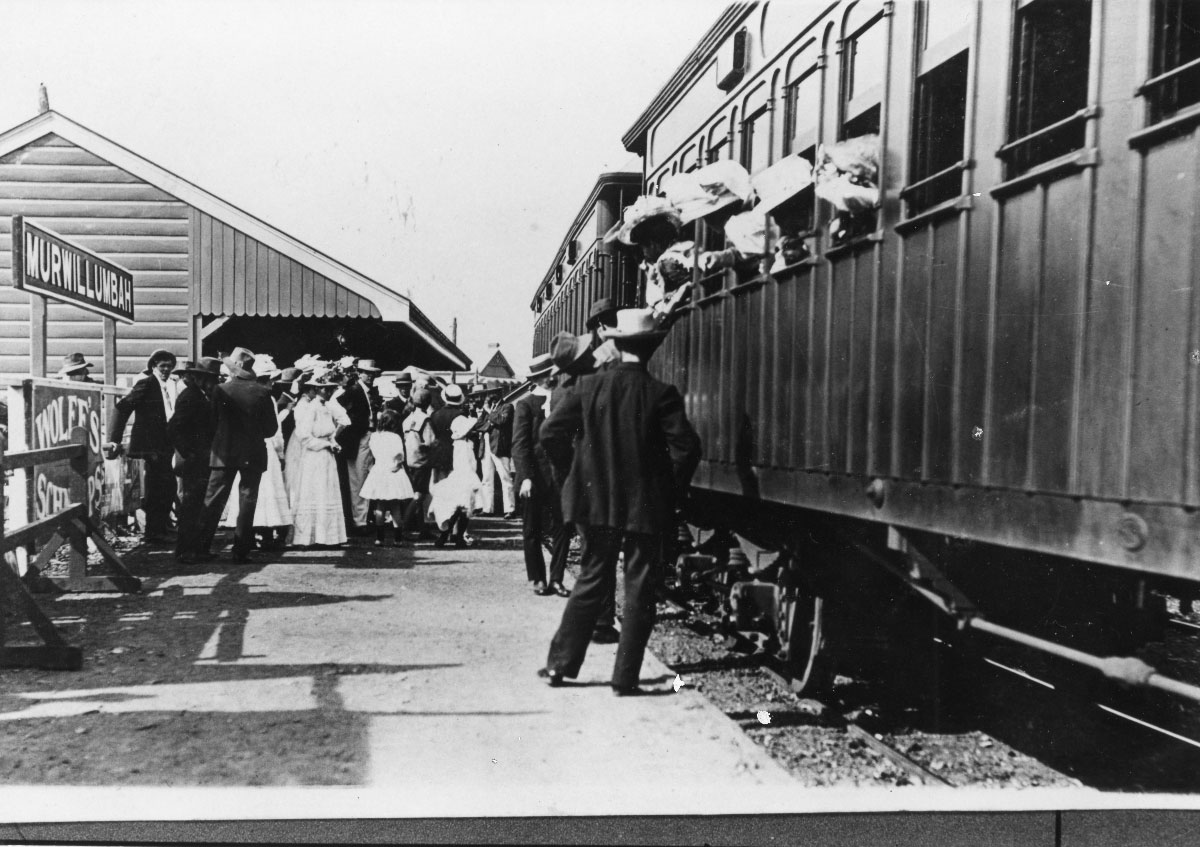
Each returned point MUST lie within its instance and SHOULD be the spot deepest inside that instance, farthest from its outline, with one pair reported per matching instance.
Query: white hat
(708, 190)
(460, 426)
(453, 395)
(634, 323)
(264, 365)
(781, 182)
(749, 232)
(638, 212)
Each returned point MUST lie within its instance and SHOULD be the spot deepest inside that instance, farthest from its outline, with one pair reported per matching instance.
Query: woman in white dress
(317, 514)
(291, 456)
(452, 499)
(387, 485)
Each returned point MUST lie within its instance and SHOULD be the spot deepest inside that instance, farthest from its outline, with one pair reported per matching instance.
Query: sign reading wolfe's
(55, 413)
(47, 264)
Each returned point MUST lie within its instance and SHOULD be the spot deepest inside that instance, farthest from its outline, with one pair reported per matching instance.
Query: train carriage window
(1049, 89)
(864, 55)
(1175, 76)
(755, 141)
(801, 111)
(938, 127)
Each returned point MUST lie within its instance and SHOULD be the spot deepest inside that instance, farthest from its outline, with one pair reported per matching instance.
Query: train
(987, 386)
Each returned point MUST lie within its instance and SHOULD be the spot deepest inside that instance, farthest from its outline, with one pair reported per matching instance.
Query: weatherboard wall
(184, 262)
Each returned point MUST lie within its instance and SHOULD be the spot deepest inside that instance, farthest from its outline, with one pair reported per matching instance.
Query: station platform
(402, 680)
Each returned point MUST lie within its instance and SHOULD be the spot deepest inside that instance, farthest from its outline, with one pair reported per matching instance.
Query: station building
(207, 276)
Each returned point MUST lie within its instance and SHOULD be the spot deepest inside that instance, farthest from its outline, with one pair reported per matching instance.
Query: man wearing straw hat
(245, 417)
(362, 404)
(534, 481)
(626, 449)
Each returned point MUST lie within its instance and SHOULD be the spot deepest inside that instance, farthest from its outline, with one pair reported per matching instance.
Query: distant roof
(498, 367)
(393, 307)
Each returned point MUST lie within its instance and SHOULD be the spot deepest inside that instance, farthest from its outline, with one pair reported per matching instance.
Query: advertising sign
(47, 264)
(55, 412)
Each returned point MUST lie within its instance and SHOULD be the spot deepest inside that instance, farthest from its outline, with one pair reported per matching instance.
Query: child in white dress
(387, 485)
(452, 498)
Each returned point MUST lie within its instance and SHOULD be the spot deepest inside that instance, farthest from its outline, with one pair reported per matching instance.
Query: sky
(441, 147)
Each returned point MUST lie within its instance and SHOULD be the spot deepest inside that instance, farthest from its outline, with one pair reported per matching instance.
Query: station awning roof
(286, 278)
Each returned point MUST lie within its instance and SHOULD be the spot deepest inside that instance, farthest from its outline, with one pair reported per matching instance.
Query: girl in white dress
(317, 514)
(452, 498)
(387, 485)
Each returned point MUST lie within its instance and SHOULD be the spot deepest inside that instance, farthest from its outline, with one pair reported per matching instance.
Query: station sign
(55, 412)
(46, 263)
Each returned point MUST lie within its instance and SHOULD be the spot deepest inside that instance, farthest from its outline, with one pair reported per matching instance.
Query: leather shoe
(247, 558)
(560, 589)
(627, 691)
(540, 589)
(508, 516)
(553, 678)
(605, 635)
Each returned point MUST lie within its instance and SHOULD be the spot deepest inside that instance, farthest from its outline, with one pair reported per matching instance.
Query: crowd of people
(313, 452)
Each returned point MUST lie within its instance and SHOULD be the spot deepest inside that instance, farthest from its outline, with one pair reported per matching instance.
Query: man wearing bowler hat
(626, 450)
(244, 417)
(402, 403)
(191, 431)
(535, 486)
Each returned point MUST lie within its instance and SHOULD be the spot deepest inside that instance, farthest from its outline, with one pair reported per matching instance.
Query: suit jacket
(530, 460)
(635, 455)
(149, 436)
(361, 408)
(244, 417)
(191, 430)
(499, 428)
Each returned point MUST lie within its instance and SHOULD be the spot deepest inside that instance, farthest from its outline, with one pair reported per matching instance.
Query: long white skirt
(273, 508)
(317, 515)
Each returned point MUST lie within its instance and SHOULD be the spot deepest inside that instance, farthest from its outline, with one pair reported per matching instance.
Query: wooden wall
(113, 213)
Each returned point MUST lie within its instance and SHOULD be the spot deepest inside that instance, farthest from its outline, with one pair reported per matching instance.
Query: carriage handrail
(921, 183)
(1082, 115)
(1166, 76)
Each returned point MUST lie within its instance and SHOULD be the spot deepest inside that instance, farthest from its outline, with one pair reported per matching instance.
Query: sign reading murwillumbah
(48, 264)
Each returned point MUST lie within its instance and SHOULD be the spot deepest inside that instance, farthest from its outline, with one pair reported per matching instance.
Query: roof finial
(43, 99)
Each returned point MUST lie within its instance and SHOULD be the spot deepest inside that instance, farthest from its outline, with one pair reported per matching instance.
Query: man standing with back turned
(631, 465)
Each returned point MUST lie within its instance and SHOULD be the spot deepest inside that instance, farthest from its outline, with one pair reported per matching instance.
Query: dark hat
(569, 352)
(403, 380)
(602, 312)
(73, 362)
(207, 366)
(160, 356)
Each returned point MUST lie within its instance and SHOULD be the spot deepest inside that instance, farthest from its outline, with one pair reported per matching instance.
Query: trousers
(158, 492)
(490, 467)
(192, 488)
(541, 512)
(220, 484)
(356, 472)
(596, 582)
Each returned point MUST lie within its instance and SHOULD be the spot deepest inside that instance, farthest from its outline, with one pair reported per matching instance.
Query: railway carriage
(989, 384)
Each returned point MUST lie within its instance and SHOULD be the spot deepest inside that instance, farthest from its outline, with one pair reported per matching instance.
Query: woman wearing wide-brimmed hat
(153, 399)
(317, 517)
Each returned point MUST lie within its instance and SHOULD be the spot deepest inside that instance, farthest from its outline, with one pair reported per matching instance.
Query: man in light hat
(153, 399)
(191, 431)
(496, 428)
(441, 459)
(362, 404)
(244, 415)
(627, 452)
(534, 480)
(75, 368)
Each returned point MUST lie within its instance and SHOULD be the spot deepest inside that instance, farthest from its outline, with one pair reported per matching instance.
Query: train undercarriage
(808, 588)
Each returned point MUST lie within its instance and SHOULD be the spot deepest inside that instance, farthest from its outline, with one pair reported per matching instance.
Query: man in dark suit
(244, 417)
(152, 398)
(628, 453)
(191, 431)
(402, 404)
(496, 426)
(534, 480)
(362, 404)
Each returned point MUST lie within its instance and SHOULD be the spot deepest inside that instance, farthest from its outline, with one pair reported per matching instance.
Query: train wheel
(802, 634)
